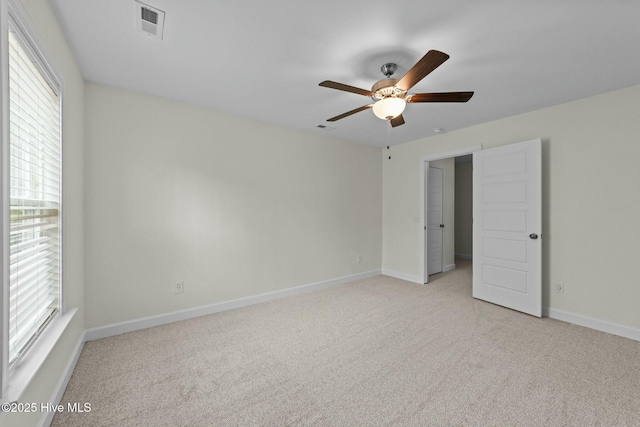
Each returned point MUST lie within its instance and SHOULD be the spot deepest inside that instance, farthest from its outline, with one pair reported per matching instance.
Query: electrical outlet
(178, 288)
(558, 288)
(359, 259)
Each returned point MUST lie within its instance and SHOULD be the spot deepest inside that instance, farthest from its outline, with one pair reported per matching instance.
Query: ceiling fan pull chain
(388, 135)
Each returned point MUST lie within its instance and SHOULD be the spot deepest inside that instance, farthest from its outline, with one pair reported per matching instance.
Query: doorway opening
(453, 235)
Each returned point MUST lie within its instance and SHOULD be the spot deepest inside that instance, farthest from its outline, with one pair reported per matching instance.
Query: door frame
(424, 176)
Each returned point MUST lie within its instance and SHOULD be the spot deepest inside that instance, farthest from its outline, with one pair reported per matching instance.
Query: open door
(507, 226)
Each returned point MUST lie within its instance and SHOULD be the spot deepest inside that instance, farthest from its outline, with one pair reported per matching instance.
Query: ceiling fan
(390, 96)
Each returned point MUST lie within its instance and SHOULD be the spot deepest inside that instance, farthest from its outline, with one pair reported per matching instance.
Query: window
(35, 195)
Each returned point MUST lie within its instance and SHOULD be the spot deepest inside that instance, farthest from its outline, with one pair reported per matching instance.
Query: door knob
(533, 236)
(441, 225)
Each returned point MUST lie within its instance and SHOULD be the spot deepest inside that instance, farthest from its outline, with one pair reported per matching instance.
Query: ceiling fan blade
(348, 113)
(432, 60)
(397, 121)
(346, 88)
(441, 97)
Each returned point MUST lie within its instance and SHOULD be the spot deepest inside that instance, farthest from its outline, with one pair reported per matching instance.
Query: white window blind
(34, 181)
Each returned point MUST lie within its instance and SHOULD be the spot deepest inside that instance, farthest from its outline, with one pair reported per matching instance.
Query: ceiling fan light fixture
(389, 108)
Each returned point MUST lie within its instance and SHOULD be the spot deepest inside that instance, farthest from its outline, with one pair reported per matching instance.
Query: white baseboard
(402, 276)
(589, 322)
(464, 256)
(409, 277)
(163, 319)
(58, 391)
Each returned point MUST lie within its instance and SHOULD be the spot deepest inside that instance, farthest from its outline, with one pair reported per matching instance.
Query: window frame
(15, 379)
(37, 186)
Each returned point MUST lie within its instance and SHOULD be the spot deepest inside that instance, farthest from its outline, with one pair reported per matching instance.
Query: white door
(507, 226)
(435, 226)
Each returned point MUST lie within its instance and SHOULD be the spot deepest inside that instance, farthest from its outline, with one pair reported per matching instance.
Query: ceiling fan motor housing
(386, 88)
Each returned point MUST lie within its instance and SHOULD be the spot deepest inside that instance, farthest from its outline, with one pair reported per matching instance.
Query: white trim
(450, 154)
(58, 391)
(402, 276)
(33, 43)
(591, 323)
(21, 375)
(424, 167)
(464, 256)
(4, 184)
(163, 319)
(411, 278)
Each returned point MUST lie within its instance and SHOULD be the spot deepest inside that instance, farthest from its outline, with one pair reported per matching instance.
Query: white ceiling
(264, 59)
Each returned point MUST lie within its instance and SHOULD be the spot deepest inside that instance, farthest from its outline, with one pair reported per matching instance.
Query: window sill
(25, 370)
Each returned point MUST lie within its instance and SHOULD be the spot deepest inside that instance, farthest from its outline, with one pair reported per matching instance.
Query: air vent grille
(149, 15)
(149, 20)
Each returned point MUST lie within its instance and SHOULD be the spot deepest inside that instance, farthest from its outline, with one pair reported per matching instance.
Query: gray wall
(464, 209)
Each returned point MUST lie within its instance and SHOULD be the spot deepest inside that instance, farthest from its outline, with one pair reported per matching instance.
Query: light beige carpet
(375, 352)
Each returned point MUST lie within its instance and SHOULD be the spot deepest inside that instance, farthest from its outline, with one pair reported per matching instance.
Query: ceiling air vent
(149, 20)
